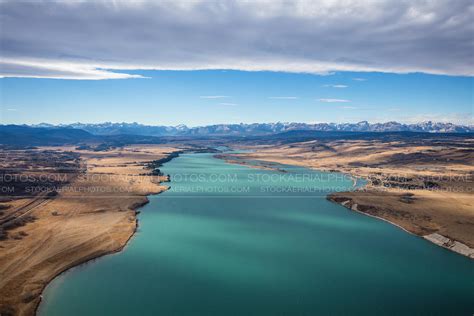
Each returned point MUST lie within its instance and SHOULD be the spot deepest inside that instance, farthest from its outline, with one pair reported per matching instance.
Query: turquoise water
(232, 240)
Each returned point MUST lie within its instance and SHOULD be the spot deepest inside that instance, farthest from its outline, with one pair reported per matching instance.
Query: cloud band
(101, 40)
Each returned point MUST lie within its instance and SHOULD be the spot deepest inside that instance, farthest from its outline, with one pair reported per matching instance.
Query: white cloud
(10, 67)
(284, 98)
(340, 86)
(348, 107)
(334, 100)
(359, 79)
(214, 96)
(227, 103)
(103, 39)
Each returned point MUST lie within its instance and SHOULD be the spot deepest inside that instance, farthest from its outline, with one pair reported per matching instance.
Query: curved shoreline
(435, 238)
(97, 256)
(94, 257)
(79, 226)
(468, 252)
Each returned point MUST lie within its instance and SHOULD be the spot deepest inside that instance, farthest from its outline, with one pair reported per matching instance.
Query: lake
(227, 239)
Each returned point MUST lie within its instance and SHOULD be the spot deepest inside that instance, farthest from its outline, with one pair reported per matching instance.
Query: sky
(208, 62)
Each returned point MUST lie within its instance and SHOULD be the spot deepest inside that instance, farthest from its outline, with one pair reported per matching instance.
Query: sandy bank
(418, 225)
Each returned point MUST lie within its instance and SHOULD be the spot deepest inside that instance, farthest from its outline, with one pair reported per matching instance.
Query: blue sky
(217, 96)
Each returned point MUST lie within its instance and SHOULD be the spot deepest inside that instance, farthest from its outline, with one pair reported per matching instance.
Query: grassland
(68, 206)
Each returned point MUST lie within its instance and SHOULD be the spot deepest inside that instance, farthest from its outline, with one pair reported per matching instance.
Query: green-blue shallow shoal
(232, 240)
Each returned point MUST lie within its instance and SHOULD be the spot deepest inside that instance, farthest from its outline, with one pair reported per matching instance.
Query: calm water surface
(232, 240)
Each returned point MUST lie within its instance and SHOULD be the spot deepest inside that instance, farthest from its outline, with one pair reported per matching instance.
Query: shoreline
(88, 259)
(429, 237)
(78, 228)
(435, 238)
(94, 257)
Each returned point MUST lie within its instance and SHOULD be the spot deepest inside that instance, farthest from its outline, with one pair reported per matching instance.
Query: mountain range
(21, 135)
(107, 135)
(256, 129)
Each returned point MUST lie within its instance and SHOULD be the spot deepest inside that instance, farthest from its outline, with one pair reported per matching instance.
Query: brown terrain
(61, 207)
(423, 186)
